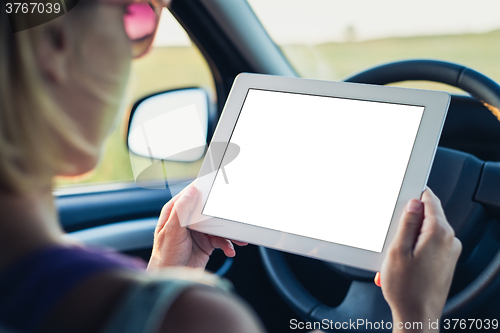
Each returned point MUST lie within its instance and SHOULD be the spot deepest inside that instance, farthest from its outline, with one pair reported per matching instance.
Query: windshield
(333, 39)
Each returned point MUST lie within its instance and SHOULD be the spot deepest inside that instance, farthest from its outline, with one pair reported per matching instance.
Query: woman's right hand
(176, 245)
(417, 272)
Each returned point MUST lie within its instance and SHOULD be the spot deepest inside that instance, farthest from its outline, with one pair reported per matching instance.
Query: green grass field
(177, 67)
(336, 61)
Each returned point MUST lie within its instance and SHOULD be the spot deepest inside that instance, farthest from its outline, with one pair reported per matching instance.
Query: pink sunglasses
(141, 22)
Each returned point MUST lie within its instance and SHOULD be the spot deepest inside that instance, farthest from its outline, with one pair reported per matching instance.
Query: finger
(185, 205)
(167, 209)
(239, 243)
(457, 247)
(165, 212)
(432, 203)
(435, 222)
(223, 244)
(202, 241)
(409, 226)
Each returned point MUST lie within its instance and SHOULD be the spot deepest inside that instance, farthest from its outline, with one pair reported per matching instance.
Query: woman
(61, 87)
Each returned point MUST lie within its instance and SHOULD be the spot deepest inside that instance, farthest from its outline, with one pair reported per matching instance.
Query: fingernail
(231, 245)
(377, 279)
(414, 206)
(190, 191)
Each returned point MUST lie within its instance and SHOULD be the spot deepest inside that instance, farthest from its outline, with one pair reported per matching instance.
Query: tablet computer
(317, 168)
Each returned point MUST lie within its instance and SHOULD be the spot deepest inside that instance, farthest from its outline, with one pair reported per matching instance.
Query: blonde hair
(32, 126)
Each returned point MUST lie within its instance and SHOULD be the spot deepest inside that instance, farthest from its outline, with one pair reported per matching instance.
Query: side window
(173, 63)
(332, 39)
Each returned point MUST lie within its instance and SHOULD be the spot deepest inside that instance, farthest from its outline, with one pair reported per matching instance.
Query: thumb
(409, 226)
(185, 205)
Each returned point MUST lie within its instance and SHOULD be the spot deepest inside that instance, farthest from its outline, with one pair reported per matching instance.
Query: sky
(319, 21)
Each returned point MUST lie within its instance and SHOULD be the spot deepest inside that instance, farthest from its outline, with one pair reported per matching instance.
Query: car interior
(231, 38)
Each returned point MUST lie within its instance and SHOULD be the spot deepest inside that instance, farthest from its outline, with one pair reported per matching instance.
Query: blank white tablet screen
(321, 167)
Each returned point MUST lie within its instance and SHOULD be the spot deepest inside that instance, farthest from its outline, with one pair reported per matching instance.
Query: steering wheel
(467, 186)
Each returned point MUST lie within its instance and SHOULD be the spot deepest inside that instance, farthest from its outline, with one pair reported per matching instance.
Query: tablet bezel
(436, 105)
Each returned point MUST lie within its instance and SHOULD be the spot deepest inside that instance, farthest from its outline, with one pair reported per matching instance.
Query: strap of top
(146, 304)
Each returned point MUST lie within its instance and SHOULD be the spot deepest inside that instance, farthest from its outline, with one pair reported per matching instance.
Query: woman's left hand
(175, 245)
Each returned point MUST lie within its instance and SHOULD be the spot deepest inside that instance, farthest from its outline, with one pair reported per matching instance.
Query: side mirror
(170, 126)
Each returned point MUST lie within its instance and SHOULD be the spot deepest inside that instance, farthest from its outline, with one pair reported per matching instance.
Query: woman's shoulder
(88, 307)
(171, 300)
(146, 303)
(88, 290)
(36, 283)
(127, 301)
(76, 289)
